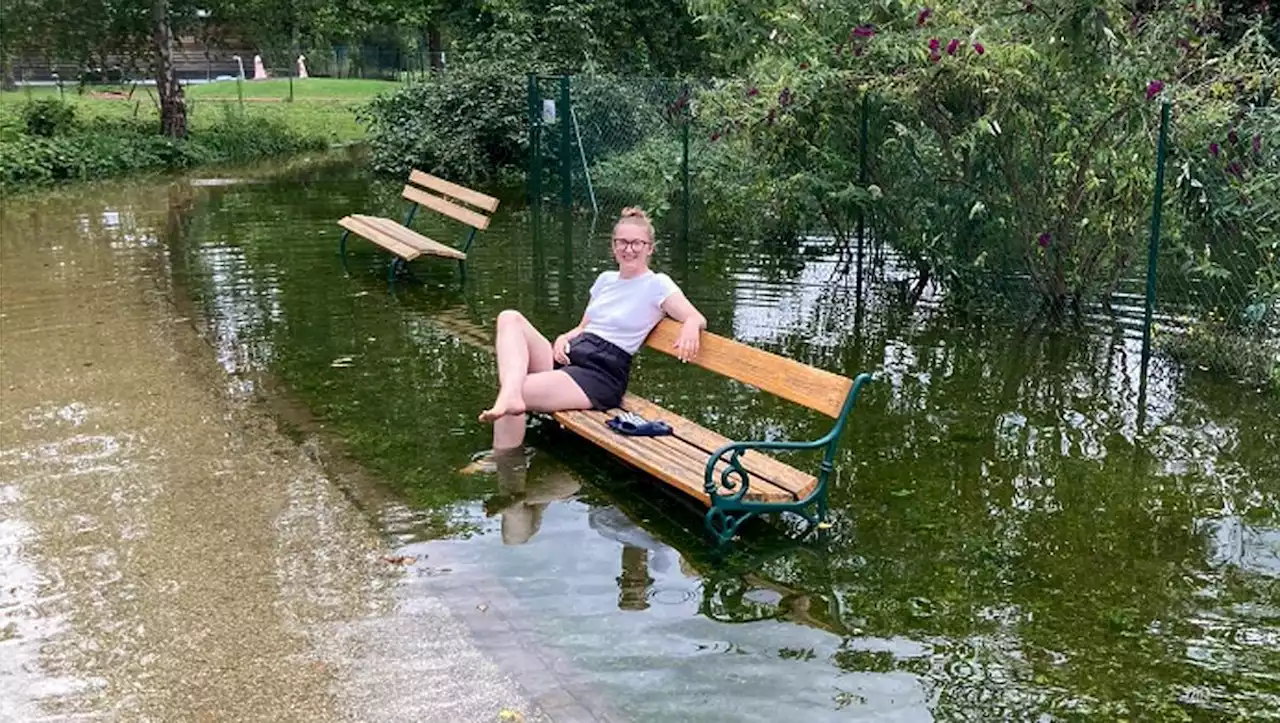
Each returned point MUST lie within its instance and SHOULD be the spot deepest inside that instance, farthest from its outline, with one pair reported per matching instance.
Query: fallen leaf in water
(399, 559)
(342, 361)
(511, 715)
(824, 525)
(482, 607)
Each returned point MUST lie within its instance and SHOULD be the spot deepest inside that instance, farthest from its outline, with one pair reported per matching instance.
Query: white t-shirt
(624, 311)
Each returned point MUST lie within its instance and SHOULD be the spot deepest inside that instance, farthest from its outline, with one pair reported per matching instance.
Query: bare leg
(552, 391)
(521, 350)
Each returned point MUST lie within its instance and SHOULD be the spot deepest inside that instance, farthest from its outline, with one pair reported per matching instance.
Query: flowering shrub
(1004, 143)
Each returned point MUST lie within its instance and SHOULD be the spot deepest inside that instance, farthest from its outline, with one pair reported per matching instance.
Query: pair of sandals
(634, 425)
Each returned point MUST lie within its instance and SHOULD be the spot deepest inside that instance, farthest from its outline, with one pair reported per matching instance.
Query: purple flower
(923, 17)
(1236, 170)
(753, 92)
(979, 49)
(1233, 138)
(864, 31)
(1154, 88)
(784, 98)
(1257, 143)
(952, 46)
(1213, 149)
(933, 44)
(1044, 239)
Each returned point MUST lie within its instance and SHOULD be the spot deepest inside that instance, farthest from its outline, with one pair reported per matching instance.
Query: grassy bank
(109, 131)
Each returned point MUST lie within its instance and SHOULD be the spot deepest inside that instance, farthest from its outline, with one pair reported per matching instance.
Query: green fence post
(862, 175)
(566, 143)
(290, 88)
(533, 183)
(240, 92)
(686, 117)
(1153, 246)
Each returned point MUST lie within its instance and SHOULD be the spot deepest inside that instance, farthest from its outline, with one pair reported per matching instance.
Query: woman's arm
(679, 308)
(560, 347)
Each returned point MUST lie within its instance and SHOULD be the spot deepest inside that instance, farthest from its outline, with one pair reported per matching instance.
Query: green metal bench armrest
(735, 481)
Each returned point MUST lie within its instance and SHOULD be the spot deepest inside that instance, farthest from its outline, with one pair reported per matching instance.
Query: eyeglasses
(632, 244)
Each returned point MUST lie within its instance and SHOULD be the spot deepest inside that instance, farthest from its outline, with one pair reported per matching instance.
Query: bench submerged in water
(405, 243)
(735, 480)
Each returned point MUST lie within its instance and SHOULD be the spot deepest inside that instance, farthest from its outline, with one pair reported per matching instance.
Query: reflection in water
(1009, 539)
(520, 503)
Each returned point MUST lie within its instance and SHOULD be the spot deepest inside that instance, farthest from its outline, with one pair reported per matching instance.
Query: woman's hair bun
(634, 212)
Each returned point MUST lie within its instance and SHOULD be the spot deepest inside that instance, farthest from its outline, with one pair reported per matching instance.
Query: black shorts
(600, 368)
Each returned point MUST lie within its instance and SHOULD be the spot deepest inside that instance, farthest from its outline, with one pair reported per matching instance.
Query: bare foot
(502, 408)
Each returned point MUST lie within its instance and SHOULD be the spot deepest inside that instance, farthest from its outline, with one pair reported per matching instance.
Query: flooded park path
(238, 480)
(166, 553)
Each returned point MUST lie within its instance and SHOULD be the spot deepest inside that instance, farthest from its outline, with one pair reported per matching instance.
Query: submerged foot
(502, 408)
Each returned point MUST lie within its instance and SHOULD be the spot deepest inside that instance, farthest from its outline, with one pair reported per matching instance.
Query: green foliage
(104, 150)
(48, 117)
(1001, 144)
(468, 123)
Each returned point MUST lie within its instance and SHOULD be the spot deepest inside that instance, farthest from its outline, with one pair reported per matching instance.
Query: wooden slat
(798, 483)
(697, 457)
(448, 208)
(409, 237)
(462, 193)
(681, 471)
(814, 388)
(376, 235)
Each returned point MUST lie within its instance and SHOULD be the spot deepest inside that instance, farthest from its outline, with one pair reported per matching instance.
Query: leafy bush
(468, 123)
(105, 150)
(48, 117)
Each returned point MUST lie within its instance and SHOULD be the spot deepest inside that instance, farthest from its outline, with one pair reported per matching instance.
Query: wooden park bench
(735, 480)
(406, 244)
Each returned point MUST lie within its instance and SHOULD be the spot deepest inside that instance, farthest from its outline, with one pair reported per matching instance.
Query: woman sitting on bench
(588, 366)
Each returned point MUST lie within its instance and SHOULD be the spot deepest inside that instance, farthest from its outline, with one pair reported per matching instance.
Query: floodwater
(1014, 534)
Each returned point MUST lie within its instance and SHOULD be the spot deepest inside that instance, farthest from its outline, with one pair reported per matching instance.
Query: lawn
(323, 107)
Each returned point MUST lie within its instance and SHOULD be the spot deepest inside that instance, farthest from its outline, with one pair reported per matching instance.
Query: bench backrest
(800, 383)
(445, 202)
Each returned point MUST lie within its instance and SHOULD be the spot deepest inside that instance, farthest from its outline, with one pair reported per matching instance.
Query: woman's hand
(560, 349)
(687, 343)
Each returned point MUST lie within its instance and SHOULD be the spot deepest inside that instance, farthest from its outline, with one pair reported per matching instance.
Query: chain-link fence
(1202, 284)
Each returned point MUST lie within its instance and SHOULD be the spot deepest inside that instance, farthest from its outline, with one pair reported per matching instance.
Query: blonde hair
(637, 216)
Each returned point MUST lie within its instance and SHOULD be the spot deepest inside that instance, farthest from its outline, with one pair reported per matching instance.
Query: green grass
(322, 107)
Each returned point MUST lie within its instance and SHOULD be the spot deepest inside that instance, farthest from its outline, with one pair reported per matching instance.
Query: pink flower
(1045, 239)
(952, 46)
(933, 43)
(864, 31)
(1213, 149)
(979, 49)
(1154, 88)
(753, 92)
(923, 17)
(1257, 143)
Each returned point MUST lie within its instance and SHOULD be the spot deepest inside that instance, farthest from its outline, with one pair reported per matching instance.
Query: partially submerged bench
(406, 244)
(735, 480)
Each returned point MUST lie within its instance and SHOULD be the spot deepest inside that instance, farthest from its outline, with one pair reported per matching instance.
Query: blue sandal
(634, 425)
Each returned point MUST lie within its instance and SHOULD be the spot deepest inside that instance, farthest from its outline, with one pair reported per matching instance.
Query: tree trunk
(173, 109)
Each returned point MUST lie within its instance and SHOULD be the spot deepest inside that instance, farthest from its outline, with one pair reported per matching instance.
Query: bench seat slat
(776, 471)
(680, 459)
(367, 230)
(409, 237)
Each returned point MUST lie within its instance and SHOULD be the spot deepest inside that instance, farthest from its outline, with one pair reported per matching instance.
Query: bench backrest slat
(448, 208)
(462, 193)
(814, 388)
